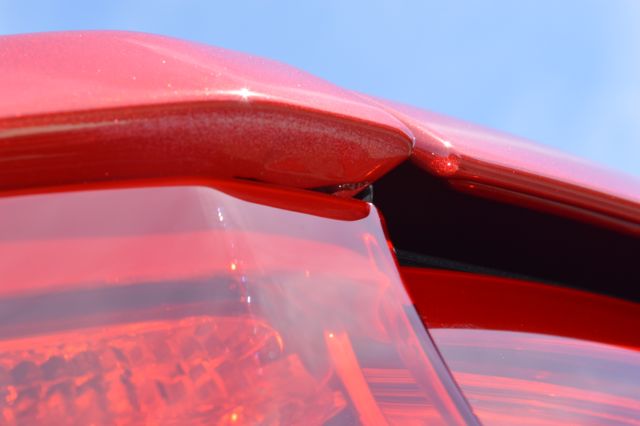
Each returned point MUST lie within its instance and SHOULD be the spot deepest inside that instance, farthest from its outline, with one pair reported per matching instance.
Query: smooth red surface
(187, 304)
(449, 299)
(530, 353)
(93, 106)
(534, 379)
(500, 166)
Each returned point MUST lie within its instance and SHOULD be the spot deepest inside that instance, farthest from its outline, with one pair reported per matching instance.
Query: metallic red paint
(90, 106)
(510, 169)
(93, 106)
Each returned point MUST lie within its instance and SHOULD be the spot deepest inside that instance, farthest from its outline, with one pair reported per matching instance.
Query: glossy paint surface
(188, 304)
(90, 106)
(450, 299)
(529, 353)
(507, 168)
(93, 106)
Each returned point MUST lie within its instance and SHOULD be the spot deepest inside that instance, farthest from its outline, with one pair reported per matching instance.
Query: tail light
(186, 304)
(527, 378)
(529, 353)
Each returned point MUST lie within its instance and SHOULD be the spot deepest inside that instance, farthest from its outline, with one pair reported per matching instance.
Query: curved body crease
(79, 106)
(500, 166)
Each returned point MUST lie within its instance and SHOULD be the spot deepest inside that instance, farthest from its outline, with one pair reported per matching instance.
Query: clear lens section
(526, 378)
(179, 305)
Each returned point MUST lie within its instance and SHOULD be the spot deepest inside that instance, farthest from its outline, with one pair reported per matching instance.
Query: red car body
(182, 239)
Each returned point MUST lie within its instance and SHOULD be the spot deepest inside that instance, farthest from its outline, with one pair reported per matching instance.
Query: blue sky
(565, 73)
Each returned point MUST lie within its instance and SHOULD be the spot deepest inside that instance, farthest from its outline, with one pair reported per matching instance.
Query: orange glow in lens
(348, 369)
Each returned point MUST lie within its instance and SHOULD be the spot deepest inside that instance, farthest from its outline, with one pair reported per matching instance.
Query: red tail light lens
(186, 304)
(525, 378)
(529, 353)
